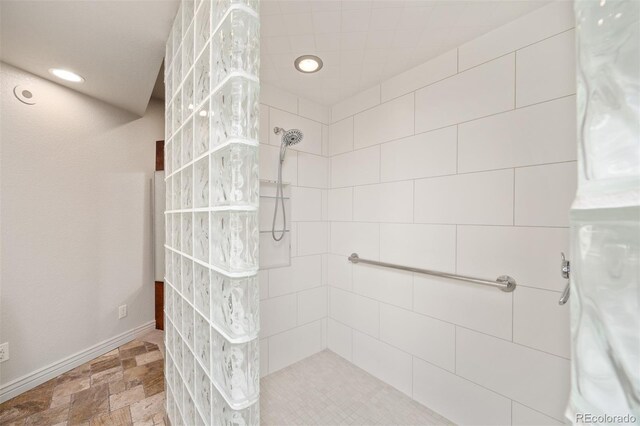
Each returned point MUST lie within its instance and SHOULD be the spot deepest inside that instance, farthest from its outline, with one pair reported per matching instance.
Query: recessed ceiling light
(66, 75)
(308, 64)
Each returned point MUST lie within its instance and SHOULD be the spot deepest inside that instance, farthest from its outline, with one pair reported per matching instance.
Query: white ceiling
(363, 42)
(117, 46)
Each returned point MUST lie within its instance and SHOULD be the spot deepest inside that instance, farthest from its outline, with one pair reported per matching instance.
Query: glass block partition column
(211, 161)
(605, 231)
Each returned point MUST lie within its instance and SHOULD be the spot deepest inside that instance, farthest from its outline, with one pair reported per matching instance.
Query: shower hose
(279, 197)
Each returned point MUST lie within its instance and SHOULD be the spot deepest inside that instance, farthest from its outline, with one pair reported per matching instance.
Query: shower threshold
(326, 389)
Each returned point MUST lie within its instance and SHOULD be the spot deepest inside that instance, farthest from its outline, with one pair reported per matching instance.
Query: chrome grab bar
(503, 282)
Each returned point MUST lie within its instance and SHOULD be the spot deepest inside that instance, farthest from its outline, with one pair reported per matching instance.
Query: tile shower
(367, 178)
(389, 166)
(211, 288)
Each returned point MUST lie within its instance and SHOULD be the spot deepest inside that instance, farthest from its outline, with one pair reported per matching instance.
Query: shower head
(289, 137)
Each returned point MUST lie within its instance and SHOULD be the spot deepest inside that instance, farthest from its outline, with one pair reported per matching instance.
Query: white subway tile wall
(541, 201)
(294, 302)
(525, 416)
(460, 400)
(390, 120)
(295, 344)
(420, 156)
(436, 69)
(464, 164)
(356, 167)
(340, 338)
(530, 29)
(360, 102)
(428, 338)
(341, 132)
(473, 198)
(419, 245)
(523, 137)
(382, 361)
(546, 70)
(532, 377)
(384, 202)
(471, 94)
(340, 204)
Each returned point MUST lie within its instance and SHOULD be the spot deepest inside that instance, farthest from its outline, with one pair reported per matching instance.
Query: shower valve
(565, 267)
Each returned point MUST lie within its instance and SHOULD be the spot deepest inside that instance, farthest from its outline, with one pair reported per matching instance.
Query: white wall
(464, 164)
(293, 307)
(76, 221)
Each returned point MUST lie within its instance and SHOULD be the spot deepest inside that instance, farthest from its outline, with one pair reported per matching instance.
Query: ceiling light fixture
(66, 75)
(308, 64)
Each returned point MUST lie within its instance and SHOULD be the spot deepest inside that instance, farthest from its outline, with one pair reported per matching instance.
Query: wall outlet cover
(122, 311)
(4, 352)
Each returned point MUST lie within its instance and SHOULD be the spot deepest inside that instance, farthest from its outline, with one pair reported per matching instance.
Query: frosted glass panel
(202, 77)
(212, 239)
(235, 111)
(234, 175)
(202, 134)
(609, 107)
(201, 189)
(235, 241)
(235, 305)
(605, 226)
(176, 153)
(201, 238)
(235, 369)
(203, 26)
(605, 310)
(237, 53)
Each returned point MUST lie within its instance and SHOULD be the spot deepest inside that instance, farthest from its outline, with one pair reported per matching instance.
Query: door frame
(159, 285)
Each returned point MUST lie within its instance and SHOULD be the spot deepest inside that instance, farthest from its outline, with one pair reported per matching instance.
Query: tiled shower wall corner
(293, 301)
(211, 161)
(463, 164)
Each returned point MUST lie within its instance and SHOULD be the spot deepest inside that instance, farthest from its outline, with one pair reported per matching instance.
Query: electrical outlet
(4, 352)
(122, 311)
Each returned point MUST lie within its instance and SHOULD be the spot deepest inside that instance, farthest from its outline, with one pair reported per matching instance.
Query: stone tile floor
(126, 387)
(122, 387)
(326, 389)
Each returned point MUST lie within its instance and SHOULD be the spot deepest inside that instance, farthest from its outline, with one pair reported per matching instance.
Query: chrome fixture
(289, 137)
(565, 269)
(503, 282)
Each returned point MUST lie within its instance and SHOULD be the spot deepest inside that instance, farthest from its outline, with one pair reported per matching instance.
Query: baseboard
(31, 380)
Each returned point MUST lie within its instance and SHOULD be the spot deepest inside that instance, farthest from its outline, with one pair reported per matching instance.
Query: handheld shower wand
(289, 137)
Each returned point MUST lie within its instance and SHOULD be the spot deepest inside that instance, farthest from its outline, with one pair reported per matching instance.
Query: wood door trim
(159, 285)
(159, 305)
(159, 156)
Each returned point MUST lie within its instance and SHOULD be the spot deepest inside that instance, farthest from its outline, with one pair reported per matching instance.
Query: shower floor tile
(326, 389)
(126, 386)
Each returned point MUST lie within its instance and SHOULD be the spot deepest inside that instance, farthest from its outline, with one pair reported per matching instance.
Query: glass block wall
(605, 231)
(211, 165)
